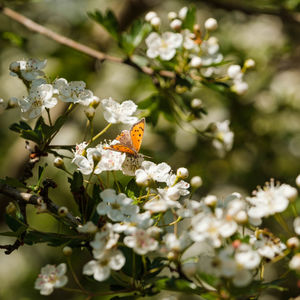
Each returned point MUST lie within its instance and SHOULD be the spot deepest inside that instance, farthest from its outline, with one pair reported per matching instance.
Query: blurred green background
(266, 120)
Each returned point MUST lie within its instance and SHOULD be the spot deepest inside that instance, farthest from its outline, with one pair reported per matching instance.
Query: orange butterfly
(130, 141)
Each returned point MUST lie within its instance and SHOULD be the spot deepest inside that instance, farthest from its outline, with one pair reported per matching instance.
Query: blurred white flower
(163, 46)
(40, 97)
(235, 72)
(211, 24)
(28, 70)
(296, 224)
(51, 277)
(88, 227)
(109, 260)
(271, 199)
(189, 41)
(117, 207)
(210, 52)
(222, 137)
(183, 12)
(115, 112)
(176, 24)
(196, 61)
(295, 262)
(74, 91)
(155, 22)
(149, 171)
(150, 15)
(141, 241)
(174, 243)
(190, 208)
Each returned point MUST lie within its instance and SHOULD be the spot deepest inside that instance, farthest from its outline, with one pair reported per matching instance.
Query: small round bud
(211, 24)
(67, 251)
(183, 12)
(210, 200)
(59, 163)
(10, 208)
(293, 243)
(96, 157)
(155, 22)
(150, 15)
(90, 113)
(176, 24)
(172, 15)
(172, 256)
(196, 62)
(236, 244)
(234, 71)
(12, 102)
(240, 87)
(182, 173)
(63, 211)
(298, 181)
(196, 182)
(196, 103)
(249, 63)
(241, 217)
(295, 262)
(95, 102)
(189, 268)
(196, 28)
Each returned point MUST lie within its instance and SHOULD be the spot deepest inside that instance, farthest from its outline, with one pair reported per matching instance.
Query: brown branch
(27, 198)
(33, 26)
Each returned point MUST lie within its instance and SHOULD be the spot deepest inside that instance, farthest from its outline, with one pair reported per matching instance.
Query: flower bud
(241, 217)
(196, 62)
(295, 262)
(63, 211)
(59, 163)
(240, 87)
(95, 102)
(150, 15)
(90, 113)
(172, 15)
(298, 181)
(196, 182)
(249, 63)
(155, 22)
(189, 268)
(67, 251)
(234, 71)
(96, 157)
(176, 24)
(236, 244)
(172, 256)
(183, 12)
(10, 208)
(210, 200)
(293, 243)
(211, 24)
(196, 103)
(182, 173)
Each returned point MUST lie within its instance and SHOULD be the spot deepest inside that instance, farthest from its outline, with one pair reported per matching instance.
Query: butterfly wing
(136, 134)
(121, 148)
(124, 138)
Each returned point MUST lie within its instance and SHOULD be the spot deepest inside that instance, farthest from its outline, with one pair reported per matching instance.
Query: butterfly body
(129, 142)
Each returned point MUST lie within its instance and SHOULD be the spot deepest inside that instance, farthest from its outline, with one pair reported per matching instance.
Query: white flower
(80, 148)
(141, 241)
(181, 187)
(268, 201)
(247, 257)
(240, 87)
(117, 207)
(189, 41)
(150, 15)
(211, 24)
(190, 208)
(104, 240)
(196, 62)
(28, 70)
(267, 245)
(210, 52)
(51, 277)
(163, 46)
(115, 112)
(173, 243)
(176, 24)
(40, 97)
(149, 171)
(297, 225)
(295, 262)
(74, 91)
(235, 72)
(101, 268)
(88, 227)
(223, 137)
(183, 12)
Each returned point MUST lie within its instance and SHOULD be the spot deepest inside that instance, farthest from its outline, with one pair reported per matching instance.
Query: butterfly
(130, 141)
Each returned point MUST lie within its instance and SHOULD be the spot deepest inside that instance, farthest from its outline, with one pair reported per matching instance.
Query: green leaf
(21, 126)
(76, 182)
(26, 132)
(12, 182)
(130, 40)
(14, 223)
(13, 38)
(108, 21)
(190, 19)
(132, 189)
(210, 279)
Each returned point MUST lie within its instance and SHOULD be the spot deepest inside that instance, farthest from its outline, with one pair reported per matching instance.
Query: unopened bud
(298, 181)
(96, 157)
(293, 243)
(150, 15)
(90, 113)
(63, 211)
(59, 163)
(240, 88)
(182, 173)
(210, 200)
(196, 28)
(196, 182)
(211, 24)
(155, 22)
(196, 62)
(10, 208)
(176, 24)
(234, 71)
(172, 15)
(196, 103)
(189, 268)
(249, 63)
(241, 217)
(183, 12)
(95, 102)
(172, 256)
(67, 251)
(236, 244)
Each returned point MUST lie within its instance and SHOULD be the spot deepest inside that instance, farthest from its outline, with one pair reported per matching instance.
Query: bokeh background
(266, 120)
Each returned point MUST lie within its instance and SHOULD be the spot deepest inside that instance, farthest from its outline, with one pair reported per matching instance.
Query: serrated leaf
(108, 20)
(21, 126)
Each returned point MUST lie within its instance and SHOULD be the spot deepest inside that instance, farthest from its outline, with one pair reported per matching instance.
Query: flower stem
(75, 277)
(116, 181)
(99, 134)
(49, 116)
